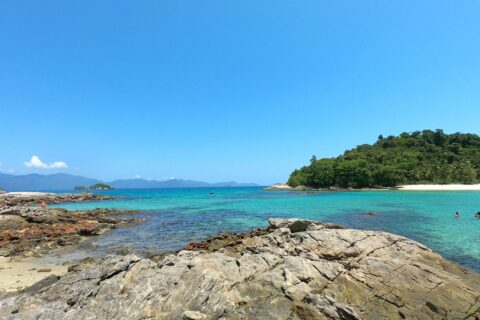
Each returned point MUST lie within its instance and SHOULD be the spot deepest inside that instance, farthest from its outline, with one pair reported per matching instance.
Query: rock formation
(296, 269)
(32, 198)
(31, 231)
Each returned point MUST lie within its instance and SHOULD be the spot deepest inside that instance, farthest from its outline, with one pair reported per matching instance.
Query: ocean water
(174, 217)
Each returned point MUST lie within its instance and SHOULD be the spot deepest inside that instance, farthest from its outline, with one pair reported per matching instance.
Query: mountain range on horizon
(63, 181)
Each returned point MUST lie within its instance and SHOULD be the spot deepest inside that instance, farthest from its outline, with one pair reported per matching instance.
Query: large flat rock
(296, 270)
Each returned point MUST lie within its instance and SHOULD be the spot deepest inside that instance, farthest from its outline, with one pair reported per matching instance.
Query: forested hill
(410, 158)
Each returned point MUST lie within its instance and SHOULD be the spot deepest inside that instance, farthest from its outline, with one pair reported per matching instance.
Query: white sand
(441, 187)
(279, 186)
(18, 274)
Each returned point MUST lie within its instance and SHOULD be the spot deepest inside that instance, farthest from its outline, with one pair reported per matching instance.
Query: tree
(420, 157)
(353, 173)
(322, 174)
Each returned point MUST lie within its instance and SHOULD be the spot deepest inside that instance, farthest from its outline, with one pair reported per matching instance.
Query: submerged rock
(295, 269)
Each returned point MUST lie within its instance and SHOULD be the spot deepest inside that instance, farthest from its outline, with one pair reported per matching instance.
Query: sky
(226, 90)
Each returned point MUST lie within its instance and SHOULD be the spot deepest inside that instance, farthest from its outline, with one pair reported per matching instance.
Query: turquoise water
(175, 217)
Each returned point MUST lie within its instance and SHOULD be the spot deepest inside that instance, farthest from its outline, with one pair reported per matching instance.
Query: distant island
(98, 186)
(63, 181)
(420, 157)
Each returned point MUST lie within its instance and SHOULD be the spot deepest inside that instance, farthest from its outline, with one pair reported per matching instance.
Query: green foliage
(322, 173)
(418, 157)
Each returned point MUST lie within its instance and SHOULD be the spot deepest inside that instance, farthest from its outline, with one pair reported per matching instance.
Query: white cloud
(35, 162)
(137, 176)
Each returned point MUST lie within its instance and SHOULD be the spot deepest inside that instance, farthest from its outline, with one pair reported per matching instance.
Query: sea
(175, 217)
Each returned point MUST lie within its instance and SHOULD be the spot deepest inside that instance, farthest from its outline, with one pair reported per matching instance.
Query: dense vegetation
(410, 158)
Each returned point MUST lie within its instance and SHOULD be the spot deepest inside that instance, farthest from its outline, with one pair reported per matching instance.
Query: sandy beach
(17, 274)
(440, 187)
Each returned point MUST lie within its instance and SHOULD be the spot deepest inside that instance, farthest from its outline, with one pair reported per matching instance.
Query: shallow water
(175, 217)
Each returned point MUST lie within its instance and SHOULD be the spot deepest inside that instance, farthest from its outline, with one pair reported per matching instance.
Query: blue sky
(227, 90)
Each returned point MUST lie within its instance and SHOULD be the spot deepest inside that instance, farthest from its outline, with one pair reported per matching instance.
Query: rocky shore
(295, 269)
(31, 231)
(33, 198)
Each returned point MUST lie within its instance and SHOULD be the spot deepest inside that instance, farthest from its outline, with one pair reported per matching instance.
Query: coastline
(410, 187)
(329, 261)
(16, 274)
(30, 236)
(35, 198)
(286, 187)
(440, 187)
(293, 269)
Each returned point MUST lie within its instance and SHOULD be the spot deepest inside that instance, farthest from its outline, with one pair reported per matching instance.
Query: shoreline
(36, 198)
(307, 270)
(30, 237)
(410, 187)
(17, 274)
(440, 187)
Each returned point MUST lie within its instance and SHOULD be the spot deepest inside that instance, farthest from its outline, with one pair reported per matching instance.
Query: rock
(294, 270)
(279, 186)
(32, 198)
(193, 315)
(44, 270)
(11, 222)
(298, 225)
(32, 231)
(123, 250)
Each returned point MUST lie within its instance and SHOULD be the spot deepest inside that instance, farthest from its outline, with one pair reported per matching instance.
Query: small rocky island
(98, 186)
(294, 269)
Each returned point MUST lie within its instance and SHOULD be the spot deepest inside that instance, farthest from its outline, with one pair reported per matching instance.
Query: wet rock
(123, 251)
(320, 273)
(224, 240)
(33, 231)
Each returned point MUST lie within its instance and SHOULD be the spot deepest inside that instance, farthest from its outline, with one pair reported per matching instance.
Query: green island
(427, 156)
(98, 186)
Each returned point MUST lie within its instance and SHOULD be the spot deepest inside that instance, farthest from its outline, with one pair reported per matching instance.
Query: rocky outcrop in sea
(30, 231)
(295, 269)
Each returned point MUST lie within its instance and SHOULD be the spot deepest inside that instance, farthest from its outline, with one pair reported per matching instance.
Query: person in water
(457, 214)
(477, 215)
